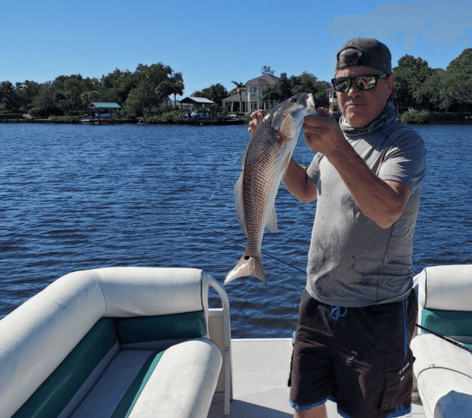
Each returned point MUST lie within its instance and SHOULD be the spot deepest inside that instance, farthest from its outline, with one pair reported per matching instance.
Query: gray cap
(365, 52)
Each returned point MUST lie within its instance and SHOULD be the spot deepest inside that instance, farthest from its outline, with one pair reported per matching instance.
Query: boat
(188, 364)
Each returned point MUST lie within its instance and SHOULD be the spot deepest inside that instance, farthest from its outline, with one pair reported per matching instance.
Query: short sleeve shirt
(353, 262)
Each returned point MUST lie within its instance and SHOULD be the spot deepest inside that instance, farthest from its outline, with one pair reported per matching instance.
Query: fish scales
(264, 164)
(256, 188)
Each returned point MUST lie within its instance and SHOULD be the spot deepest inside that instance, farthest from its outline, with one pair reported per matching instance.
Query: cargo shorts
(359, 358)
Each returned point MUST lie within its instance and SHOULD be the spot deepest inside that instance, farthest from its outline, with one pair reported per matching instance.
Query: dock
(212, 121)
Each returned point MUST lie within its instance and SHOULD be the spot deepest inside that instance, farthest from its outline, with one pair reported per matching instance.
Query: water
(81, 197)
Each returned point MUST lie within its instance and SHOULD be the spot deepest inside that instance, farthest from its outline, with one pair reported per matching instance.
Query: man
(358, 310)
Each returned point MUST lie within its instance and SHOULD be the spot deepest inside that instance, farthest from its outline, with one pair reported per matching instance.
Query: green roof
(104, 105)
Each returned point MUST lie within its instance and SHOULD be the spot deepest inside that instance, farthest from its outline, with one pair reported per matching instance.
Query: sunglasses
(363, 82)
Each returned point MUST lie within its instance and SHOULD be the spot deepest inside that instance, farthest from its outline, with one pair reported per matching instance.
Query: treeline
(147, 90)
(288, 86)
(421, 88)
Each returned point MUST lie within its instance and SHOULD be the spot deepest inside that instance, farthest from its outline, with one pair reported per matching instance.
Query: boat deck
(260, 375)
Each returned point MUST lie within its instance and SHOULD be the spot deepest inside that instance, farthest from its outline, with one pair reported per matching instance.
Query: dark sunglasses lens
(342, 84)
(367, 82)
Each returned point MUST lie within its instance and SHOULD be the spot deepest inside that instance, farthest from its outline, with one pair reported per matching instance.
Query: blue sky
(218, 41)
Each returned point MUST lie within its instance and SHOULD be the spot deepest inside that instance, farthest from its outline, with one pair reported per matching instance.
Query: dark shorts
(358, 357)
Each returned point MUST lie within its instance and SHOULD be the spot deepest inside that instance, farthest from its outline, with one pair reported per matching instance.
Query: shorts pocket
(398, 385)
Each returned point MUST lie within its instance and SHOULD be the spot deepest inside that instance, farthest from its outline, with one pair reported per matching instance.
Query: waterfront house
(251, 98)
(333, 108)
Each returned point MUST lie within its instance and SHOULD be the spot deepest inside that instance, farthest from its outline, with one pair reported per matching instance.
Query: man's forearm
(297, 182)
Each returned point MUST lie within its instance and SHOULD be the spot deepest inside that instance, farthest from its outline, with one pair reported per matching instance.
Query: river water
(81, 197)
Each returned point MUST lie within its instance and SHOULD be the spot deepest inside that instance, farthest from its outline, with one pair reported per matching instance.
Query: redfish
(266, 159)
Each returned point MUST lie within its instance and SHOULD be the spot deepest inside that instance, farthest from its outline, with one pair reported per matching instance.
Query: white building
(333, 102)
(251, 98)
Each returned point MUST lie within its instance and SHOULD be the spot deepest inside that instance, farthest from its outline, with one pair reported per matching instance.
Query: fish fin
(271, 222)
(272, 219)
(287, 129)
(247, 266)
(238, 199)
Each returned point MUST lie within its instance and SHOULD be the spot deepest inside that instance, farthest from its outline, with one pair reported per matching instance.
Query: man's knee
(316, 412)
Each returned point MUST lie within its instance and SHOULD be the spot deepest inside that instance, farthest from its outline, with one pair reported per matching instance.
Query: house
(333, 108)
(251, 98)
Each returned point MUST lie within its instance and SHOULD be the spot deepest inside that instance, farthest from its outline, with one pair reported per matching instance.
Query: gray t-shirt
(352, 262)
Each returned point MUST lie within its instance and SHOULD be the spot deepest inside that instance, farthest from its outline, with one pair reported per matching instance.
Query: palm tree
(241, 88)
(178, 86)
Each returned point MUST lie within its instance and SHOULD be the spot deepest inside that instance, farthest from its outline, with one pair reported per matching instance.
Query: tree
(44, 104)
(240, 87)
(456, 83)
(88, 97)
(24, 95)
(68, 93)
(177, 86)
(433, 89)
(216, 93)
(154, 85)
(287, 87)
(309, 83)
(267, 70)
(410, 75)
(116, 86)
(8, 96)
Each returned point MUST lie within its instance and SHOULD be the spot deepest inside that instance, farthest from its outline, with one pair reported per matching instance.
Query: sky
(213, 42)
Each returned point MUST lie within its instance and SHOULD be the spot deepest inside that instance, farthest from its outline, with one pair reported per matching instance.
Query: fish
(264, 165)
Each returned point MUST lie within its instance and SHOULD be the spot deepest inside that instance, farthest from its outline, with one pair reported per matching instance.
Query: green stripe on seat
(160, 328)
(126, 405)
(59, 388)
(453, 323)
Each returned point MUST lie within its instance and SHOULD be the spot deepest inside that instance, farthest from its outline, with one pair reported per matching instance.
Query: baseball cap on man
(365, 52)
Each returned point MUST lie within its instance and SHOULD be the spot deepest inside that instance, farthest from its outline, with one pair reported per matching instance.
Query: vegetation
(427, 116)
(165, 115)
(420, 87)
(287, 87)
(145, 90)
(267, 70)
(422, 94)
(240, 87)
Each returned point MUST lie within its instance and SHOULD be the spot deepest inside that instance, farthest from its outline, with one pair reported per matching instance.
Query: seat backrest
(444, 300)
(39, 335)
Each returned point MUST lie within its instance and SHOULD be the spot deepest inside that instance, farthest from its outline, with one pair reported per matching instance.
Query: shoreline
(125, 122)
(193, 123)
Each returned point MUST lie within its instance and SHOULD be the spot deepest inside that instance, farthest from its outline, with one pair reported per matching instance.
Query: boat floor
(260, 375)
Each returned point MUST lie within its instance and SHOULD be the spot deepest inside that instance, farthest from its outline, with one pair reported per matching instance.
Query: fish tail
(247, 266)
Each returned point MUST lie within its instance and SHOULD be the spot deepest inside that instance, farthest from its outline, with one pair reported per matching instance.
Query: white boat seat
(443, 370)
(114, 342)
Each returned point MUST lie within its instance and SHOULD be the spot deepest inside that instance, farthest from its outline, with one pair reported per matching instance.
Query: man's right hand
(256, 118)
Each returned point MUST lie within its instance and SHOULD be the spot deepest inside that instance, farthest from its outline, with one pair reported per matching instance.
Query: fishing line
(244, 245)
(175, 220)
(219, 233)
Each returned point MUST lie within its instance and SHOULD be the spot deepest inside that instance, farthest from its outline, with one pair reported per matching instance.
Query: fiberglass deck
(260, 369)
